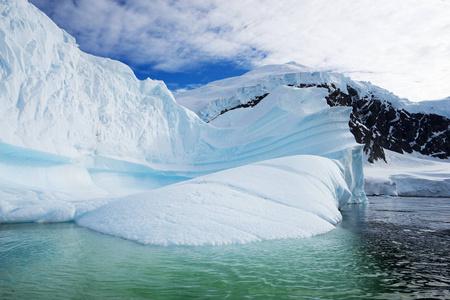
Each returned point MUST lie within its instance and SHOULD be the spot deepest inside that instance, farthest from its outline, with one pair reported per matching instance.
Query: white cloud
(401, 45)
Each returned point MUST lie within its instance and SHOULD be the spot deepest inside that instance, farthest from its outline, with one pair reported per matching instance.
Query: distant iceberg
(82, 138)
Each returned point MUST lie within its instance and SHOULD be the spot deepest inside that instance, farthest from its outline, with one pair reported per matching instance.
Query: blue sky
(401, 45)
(191, 78)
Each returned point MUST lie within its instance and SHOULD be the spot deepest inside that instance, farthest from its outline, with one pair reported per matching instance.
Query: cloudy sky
(401, 45)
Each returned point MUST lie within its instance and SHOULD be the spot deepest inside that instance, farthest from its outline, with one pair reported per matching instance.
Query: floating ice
(288, 197)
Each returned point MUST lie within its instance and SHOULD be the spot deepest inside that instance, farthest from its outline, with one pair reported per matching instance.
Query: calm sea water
(392, 248)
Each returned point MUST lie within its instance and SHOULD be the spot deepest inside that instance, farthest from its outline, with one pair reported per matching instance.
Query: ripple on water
(372, 254)
(415, 247)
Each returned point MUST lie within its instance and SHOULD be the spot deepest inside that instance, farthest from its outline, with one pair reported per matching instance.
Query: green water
(64, 261)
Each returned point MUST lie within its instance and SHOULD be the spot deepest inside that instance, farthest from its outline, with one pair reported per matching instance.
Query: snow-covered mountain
(379, 119)
(408, 175)
(80, 132)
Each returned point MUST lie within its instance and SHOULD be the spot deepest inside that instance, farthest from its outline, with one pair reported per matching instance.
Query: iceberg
(59, 100)
(287, 197)
(83, 140)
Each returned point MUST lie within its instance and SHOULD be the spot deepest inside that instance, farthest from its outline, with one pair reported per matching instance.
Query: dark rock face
(250, 103)
(378, 125)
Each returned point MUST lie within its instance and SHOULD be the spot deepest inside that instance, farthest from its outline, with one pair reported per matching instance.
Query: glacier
(82, 139)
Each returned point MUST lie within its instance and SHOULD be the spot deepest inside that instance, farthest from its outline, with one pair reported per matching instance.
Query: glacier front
(82, 138)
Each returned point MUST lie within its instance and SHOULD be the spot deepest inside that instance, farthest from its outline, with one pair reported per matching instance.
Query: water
(393, 248)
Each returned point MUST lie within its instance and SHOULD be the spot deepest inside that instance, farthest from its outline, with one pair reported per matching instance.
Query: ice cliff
(60, 100)
(80, 134)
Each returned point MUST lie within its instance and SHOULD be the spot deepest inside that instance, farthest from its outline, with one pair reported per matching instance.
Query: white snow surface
(408, 175)
(81, 138)
(209, 100)
(438, 107)
(288, 197)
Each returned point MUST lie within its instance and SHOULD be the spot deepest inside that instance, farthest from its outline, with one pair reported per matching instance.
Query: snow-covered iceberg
(287, 197)
(79, 133)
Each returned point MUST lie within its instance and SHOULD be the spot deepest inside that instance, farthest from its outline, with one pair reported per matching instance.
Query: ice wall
(57, 99)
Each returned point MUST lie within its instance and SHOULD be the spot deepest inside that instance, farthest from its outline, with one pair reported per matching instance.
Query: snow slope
(408, 175)
(439, 107)
(80, 135)
(209, 100)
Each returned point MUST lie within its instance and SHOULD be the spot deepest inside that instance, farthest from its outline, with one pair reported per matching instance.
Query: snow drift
(79, 132)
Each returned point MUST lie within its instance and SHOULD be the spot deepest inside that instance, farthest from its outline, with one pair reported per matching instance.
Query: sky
(400, 45)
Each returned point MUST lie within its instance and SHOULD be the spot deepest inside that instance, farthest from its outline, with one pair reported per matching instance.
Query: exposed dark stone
(378, 125)
(250, 103)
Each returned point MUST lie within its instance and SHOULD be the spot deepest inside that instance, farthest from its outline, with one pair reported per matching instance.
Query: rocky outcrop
(250, 103)
(378, 125)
